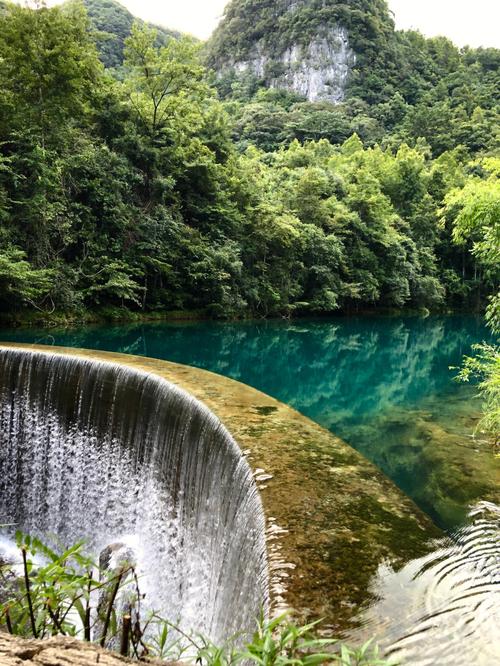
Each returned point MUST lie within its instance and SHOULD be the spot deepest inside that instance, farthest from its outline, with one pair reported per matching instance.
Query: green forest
(134, 181)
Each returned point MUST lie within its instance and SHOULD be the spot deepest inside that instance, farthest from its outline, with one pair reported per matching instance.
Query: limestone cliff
(317, 71)
(310, 47)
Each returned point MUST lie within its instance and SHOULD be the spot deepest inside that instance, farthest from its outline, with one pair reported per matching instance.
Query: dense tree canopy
(112, 24)
(140, 188)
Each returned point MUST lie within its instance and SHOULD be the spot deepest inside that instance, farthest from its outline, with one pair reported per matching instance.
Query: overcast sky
(473, 22)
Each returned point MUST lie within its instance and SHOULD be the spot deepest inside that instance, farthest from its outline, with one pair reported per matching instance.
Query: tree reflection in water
(382, 384)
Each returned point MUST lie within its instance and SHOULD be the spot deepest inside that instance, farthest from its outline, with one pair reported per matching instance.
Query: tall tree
(48, 66)
(162, 82)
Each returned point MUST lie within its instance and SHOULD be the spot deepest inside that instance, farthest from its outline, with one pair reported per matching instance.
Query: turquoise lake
(382, 384)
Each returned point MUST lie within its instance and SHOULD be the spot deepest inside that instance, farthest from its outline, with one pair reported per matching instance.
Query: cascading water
(99, 451)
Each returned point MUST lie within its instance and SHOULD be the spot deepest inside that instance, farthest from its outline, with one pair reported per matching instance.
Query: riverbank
(34, 319)
(123, 315)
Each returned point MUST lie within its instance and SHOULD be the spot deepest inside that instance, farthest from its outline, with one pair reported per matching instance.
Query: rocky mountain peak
(309, 47)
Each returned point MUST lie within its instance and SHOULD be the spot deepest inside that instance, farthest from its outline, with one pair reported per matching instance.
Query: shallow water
(443, 608)
(382, 384)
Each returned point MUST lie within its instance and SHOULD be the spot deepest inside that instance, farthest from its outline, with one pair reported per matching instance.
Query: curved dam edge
(332, 517)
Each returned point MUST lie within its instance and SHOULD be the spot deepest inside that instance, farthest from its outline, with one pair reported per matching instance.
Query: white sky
(473, 22)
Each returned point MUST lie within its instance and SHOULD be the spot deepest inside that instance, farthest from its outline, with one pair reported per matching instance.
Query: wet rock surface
(117, 559)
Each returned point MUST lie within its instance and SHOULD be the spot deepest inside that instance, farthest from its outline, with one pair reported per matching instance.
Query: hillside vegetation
(113, 24)
(402, 86)
(159, 186)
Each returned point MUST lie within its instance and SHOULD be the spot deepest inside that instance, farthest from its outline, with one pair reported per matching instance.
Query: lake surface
(382, 384)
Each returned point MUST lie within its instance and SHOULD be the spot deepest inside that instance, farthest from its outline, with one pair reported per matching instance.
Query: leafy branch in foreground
(485, 366)
(478, 222)
(282, 643)
(48, 593)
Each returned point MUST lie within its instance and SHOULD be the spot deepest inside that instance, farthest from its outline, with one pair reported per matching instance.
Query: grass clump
(49, 592)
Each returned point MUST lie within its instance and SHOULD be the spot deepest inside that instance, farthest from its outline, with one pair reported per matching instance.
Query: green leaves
(19, 281)
(283, 643)
(163, 83)
(476, 211)
(62, 592)
(146, 192)
(478, 217)
(50, 592)
(55, 594)
(280, 642)
(49, 65)
(485, 367)
(367, 654)
(114, 280)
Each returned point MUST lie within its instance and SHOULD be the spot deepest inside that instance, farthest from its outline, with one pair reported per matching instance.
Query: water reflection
(443, 608)
(383, 384)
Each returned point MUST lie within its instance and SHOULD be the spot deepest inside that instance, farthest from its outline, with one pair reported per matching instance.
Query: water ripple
(445, 608)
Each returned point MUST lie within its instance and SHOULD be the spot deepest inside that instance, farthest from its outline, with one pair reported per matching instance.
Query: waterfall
(98, 451)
